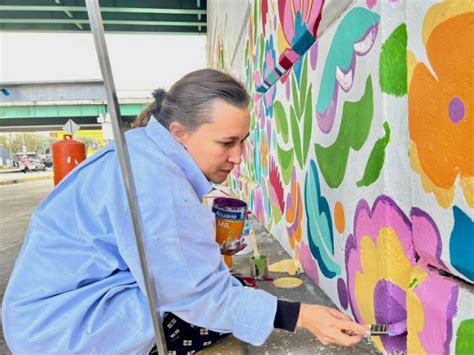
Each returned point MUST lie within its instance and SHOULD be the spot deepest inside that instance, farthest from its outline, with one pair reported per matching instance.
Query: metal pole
(97, 28)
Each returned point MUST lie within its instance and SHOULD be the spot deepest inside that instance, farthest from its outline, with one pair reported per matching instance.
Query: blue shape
(461, 244)
(320, 233)
(5, 92)
(303, 39)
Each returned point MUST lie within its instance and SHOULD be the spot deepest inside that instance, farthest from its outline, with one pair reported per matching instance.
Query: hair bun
(159, 95)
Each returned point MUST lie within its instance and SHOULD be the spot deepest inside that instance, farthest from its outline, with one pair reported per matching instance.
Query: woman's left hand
(225, 251)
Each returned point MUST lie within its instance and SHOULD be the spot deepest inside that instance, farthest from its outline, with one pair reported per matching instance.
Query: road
(16, 175)
(17, 202)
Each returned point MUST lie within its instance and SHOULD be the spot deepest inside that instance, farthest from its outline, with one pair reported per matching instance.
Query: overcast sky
(140, 63)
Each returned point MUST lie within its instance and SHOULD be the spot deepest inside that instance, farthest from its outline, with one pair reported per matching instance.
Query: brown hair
(190, 99)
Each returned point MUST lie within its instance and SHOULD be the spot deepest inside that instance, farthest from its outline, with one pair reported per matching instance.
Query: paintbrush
(390, 330)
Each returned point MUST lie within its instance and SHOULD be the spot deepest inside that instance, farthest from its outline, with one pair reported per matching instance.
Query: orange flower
(440, 111)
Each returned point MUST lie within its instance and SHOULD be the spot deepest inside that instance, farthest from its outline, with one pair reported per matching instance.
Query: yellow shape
(287, 282)
(441, 12)
(443, 196)
(411, 63)
(286, 265)
(416, 312)
(467, 184)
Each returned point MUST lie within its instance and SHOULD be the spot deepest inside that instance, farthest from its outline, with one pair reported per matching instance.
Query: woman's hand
(225, 251)
(330, 325)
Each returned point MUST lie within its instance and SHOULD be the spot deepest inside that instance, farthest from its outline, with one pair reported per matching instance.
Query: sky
(140, 62)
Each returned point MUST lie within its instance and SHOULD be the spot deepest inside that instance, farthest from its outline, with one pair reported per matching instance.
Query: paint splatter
(376, 159)
(461, 244)
(393, 63)
(355, 127)
(320, 233)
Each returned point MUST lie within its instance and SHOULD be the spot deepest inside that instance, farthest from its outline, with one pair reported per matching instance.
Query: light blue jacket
(77, 285)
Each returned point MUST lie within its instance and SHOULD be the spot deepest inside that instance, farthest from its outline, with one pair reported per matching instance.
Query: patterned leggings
(184, 338)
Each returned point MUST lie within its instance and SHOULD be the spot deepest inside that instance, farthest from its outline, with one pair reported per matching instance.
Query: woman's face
(216, 146)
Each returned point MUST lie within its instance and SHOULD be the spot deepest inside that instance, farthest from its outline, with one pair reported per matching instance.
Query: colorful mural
(360, 157)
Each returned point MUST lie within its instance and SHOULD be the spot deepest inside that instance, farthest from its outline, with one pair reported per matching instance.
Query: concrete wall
(360, 159)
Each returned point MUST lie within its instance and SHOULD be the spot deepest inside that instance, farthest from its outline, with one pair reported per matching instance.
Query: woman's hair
(190, 99)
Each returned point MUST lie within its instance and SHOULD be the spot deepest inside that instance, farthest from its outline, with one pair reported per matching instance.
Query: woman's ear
(179, 132)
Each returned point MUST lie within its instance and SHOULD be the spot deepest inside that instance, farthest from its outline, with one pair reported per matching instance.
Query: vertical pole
(118, 128)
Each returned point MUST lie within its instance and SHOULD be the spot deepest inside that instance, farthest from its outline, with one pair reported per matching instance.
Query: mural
(360, 157)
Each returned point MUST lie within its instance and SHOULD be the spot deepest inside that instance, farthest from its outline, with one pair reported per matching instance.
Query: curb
(26, 179)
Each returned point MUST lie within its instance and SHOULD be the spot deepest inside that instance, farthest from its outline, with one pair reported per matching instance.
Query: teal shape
(352, 28)
(461, 244)
(320, 232)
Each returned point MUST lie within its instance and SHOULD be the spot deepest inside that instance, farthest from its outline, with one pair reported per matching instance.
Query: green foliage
(285, 159)
(393, 63)
(353, 133)
(465, 337)
(376, 159)
(281, 120)
(295, 133)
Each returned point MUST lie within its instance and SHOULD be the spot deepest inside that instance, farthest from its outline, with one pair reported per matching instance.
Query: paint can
(259, 267)
(230, 220)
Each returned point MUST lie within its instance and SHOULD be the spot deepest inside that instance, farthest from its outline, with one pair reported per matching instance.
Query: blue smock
(77, 285)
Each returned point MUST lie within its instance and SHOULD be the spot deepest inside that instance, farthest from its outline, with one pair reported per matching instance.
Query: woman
(77, 285)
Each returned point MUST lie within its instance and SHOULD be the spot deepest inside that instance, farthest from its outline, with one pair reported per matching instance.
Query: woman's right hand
(330, 326)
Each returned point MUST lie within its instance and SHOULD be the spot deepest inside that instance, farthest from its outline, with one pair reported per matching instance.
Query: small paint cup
(259, 267)
(230, 220)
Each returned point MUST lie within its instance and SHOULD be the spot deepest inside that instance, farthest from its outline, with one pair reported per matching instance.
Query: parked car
(36, 165)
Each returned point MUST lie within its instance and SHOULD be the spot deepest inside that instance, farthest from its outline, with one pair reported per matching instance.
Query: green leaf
(304, 83)
(295, 133)
(295, 94)
(393, 63)
(376, 159)
(353, 133)
(281, 120)
(261, 45)
(285, 159)
(307, 123)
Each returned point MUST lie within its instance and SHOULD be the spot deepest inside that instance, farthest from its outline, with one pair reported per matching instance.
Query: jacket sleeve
(184, 261)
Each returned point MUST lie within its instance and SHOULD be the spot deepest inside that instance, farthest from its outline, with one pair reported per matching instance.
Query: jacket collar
(178, 154)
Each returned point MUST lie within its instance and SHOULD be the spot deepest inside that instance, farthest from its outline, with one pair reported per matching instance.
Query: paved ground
(17, 202)
(14, 176)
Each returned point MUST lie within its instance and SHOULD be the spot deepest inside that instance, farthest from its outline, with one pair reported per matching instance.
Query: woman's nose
(236, 155)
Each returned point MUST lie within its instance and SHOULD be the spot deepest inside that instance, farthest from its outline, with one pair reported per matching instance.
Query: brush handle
(253, 240)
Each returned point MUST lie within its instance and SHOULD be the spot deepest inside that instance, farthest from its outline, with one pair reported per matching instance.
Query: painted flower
(294, 212)
(441, 111)
(299, 20)
(386, 282)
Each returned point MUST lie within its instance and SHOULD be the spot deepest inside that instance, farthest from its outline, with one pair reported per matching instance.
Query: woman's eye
(226, 144)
